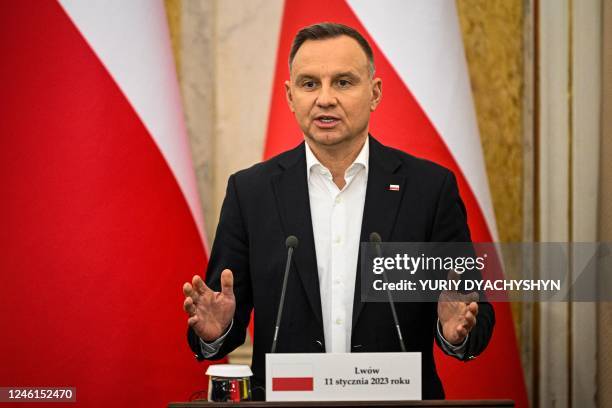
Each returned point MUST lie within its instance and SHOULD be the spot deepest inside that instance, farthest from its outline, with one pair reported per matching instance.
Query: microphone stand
(291, 243)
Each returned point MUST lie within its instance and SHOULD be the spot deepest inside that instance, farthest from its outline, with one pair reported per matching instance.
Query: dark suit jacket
(269, 201)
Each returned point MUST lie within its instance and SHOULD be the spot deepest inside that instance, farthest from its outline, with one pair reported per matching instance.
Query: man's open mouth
(326, 121)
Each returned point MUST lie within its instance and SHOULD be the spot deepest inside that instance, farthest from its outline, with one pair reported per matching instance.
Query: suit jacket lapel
(381, 205)
(292, 200)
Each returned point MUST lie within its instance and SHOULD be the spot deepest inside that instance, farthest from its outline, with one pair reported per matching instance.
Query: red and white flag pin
(393, 187)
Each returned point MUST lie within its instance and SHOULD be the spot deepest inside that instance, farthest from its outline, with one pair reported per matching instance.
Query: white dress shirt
(336, 225)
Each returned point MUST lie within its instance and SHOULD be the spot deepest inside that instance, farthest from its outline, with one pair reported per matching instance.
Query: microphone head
(375, 238)
(291, 242)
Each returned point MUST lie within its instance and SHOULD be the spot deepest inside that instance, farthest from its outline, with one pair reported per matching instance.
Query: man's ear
(289, 95)
(376, 93)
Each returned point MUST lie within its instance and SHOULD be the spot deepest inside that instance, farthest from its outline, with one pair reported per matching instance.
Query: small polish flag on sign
(394, 187)
(292, 377)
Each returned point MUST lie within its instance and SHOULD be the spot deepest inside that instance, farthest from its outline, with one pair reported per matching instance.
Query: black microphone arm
(291, 243)
(375, 239)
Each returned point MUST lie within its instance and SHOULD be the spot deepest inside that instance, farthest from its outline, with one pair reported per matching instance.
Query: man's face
(331, 92)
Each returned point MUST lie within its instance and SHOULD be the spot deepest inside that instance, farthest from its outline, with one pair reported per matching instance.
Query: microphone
(375, 239)
(291, 243)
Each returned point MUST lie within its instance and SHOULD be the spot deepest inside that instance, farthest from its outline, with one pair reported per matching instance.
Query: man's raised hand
(210, 313)
(457, 313)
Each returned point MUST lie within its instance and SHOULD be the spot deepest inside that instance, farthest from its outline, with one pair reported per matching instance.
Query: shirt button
(337, 281)
(338, 239)
(338, 200)
(338, 321)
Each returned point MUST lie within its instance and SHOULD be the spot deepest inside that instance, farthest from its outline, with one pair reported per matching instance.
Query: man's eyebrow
(349, 74)
(302, 77)
(346, 74)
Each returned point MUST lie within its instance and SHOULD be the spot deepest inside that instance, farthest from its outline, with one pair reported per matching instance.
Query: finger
(199, 285)
(187, 289)
(190, 292)
(470, 321)
(473, 308)
(462, 332)
(227, 283)
(188, 306)
(192, 320)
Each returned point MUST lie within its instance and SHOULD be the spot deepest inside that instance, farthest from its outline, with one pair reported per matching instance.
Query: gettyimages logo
(530, 272)
(423, 263)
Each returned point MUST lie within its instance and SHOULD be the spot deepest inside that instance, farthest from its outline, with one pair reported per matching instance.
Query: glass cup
(229, 382)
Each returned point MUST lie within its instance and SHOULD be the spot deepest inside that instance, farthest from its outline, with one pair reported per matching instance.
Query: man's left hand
(457, 313)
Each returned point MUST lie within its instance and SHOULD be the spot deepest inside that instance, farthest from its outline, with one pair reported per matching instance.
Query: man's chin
(328, 139)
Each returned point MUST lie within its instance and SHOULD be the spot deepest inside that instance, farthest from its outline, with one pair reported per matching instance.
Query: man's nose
(326, 96)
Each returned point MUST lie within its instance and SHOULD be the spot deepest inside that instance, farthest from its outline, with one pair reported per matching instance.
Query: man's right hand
(210, 313)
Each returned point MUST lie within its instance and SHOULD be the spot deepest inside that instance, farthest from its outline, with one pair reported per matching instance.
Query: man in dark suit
(331, 192)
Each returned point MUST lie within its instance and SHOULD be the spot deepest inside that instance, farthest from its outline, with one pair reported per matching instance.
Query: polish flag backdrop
(100, 219)
(427, 110)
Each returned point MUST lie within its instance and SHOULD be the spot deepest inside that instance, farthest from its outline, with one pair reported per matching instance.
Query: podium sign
(343, 376)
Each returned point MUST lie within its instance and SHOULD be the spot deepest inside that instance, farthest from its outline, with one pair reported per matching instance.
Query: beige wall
(604, 338)
(225, 54)
(493, 39)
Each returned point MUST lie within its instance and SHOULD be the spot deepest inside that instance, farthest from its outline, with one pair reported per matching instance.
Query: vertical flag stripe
(430, 69)
(132, 41)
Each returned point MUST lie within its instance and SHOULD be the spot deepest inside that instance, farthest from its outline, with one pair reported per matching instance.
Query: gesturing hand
(457, 313)
(210, 312)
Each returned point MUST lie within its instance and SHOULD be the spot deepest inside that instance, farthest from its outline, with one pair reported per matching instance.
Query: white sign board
(343, 376)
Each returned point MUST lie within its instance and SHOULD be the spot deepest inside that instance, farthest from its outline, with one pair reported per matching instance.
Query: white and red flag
(427, 110)
(292, 377)
(100, 222)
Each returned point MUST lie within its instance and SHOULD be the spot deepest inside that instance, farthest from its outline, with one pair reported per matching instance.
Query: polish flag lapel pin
(393, 187)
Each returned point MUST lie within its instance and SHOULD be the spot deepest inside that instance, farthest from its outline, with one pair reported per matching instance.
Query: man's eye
(344, 83)
(308, 84)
